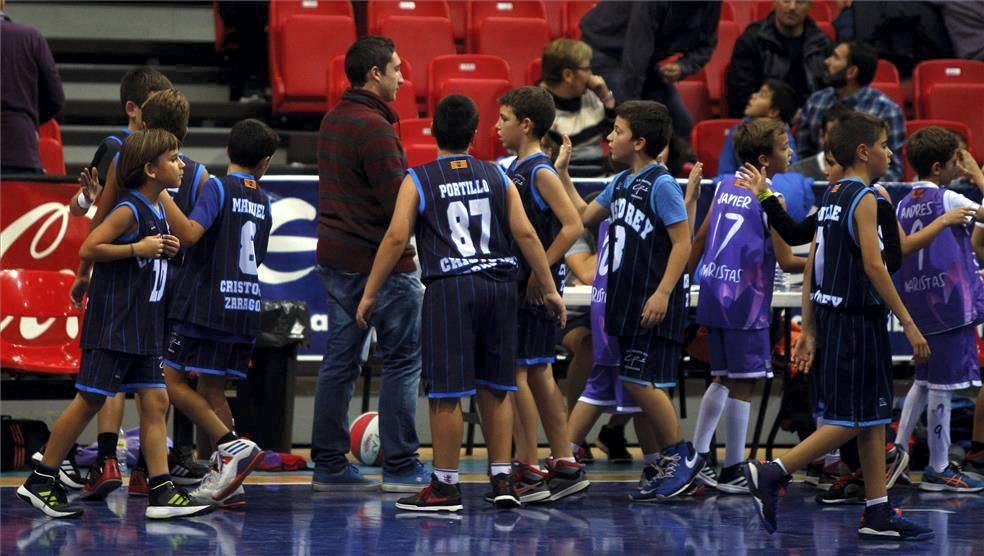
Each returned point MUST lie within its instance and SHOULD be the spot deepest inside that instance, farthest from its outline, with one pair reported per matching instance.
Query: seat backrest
(932, 72)
(534, 72)
(50, 129)
(828, 29)
(959, 102)
(892, 90)
(887, 72)
(458, 12)
(696, 98)
(480, 10)
(405, 104)
(52, 156)
(819, 10)
(416, 131)
(377, 10)
(280, 10)
(336, 80)
(485, 93)
(912, 126)
(418, 153)
(575, 11)
(728, 32)
(707, 138)
(727, 12)
(517, 40)
(556, 16)
(308, 44)
(40, 327)
(468, 66)
(419, 40)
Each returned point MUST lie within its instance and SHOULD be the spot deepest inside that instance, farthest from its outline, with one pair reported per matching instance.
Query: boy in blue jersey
(215, 313)
(123, 329)
(465, 214)
(645, 308)
(845, 313)
(525, 117)
(738, 255)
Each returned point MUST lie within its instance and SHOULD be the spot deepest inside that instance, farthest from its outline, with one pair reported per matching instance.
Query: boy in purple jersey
(463, 211)
(941, 284)
(738, 255)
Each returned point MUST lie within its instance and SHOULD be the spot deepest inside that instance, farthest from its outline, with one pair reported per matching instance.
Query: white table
(580, 296)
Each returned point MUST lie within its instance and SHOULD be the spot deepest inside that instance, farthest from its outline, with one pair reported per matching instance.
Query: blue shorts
(468, 326)
(740, 354)
(650, 359)
(953, 363)
(853, 364)
(605, 390)
(537, 333)
(106, 372)
(208, 357)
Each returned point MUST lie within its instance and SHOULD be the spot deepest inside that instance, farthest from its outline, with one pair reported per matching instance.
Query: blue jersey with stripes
(463, 224)
(522, 172)
(107, 150)
(839, 281)
(218, 287)
(187, 193)
(126, 309)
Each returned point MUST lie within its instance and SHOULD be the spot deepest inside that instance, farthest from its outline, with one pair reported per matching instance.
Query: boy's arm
(921, 238)
(99, 246)
(552, 191)
(806, 345)
(784, 254)
(866, 221)
(590, 214)
(697, 249)
(655, 309)
(692, 194)
(391, 248)
(188, 231)
(106, 201)
(583, 266)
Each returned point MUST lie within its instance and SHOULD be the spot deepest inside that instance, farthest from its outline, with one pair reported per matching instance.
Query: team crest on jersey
(835, 188)
(250, 183)
(917, 193)
(640, 189)
(460, 164)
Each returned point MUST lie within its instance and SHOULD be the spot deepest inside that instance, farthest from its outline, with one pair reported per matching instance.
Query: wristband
(764, 194)
(83, 202)
(608, 97)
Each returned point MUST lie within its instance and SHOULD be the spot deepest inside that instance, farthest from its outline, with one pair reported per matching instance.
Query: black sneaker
(587, 456)
(504, 493)
(767, 483)
(707, 474)
(530, 483)
(896, 462)
(435, 497)
(167, 501)
(185, 470)
(611, 440)
(46, 493)
(732, 480)
(68, 472)
(883, 522)
(565, 478)
(813, 471)
(848, 489)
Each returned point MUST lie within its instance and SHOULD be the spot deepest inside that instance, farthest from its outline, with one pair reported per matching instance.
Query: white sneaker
(236, 460)
(235, 501)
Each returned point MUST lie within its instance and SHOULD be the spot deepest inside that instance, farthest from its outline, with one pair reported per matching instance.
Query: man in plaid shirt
(849, 70)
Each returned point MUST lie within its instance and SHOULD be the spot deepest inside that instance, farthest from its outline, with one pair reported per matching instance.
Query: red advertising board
(36, 229)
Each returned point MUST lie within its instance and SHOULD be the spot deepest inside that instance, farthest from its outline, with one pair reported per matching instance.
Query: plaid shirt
(868, 100)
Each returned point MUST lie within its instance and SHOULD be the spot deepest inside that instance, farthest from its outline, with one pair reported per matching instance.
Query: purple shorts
(952, 361)
(741, 354)
(604, 389)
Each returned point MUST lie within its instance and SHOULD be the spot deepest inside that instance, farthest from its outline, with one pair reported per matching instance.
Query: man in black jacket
(786, 45)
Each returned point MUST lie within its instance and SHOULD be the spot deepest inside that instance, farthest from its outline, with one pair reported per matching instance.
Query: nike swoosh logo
(692, 461)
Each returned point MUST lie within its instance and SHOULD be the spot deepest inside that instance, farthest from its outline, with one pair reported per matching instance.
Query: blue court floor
(291, 519)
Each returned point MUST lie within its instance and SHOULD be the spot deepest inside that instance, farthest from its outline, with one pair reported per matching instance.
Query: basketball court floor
(285, 517)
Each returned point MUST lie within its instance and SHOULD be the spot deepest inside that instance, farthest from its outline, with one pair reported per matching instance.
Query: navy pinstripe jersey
(638, 251)
(188, 190)
(463, 225)
(126, 306)
(523, 174)
(839, 280)
(218, 287)
(107, 150)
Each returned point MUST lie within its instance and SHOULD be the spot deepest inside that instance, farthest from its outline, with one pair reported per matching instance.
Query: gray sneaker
(347, 480)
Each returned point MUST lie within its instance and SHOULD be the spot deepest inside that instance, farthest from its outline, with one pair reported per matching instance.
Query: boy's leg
(110, 422)
(193, 404)
(912, 408)
(496, 410)
(550, 403)
(578, 343)
(526, 424)
(711, 407)
(975, 457)
(583, 416)
(871, 447)
(443, 494)
(213, 390)
(69, 426)
(658, 409)
(736, 414)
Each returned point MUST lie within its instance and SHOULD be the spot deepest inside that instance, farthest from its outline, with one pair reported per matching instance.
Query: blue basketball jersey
(463, 226)
(523, 174)
(107, 150)
(188, 190)
(218, 287)
(839, 281)
(638, 251)
(126, 309)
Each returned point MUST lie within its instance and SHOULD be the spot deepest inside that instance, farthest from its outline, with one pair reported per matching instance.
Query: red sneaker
(103, 478)
(138, 483)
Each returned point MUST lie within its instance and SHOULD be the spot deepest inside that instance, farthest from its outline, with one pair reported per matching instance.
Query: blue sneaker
(412, 479)
(883, 522)
(951, 479)
(675, 473)
(347, 480)
(766, 482)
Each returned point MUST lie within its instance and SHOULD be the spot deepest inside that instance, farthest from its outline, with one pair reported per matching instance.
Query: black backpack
(19, 439)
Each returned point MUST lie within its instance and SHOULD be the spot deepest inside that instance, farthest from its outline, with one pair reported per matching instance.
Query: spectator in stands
(787, 45)
(630, 39)
(814, 166)
(30, 95)
(244, 45)
(585, 104)
(964, 20)
(360, 166)
(904, 33)
(775, 99)
(849, 70)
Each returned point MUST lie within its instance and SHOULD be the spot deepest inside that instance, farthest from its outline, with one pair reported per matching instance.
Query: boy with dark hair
(846, 309)
(123, 330)
(649, 248)
(525, 116)
(737, 255)
(942, 285)
(215, 314)
(775, 99)
(463, 212)
(814, 167)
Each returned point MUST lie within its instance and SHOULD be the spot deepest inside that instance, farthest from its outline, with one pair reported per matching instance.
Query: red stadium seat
(727, 12)
(302, 48)
(961, 103)
(696, 98)
(336, 79)
(893, 91)
(52, 156)
(480, 10)
(887, 72)
(405, 104)
(744, 13)
(575, 11)
(517, 40)
(467, 66)
(378, 10)
(406, 98)
(419, 40)
(932, 72)
(415, 135)
(707, 138)
(50, 129)
(913, 126)
(418, 154)
(280, 10)
(556, 16)
(535, 71)
(485, 93)
(458, 11)
(728, 32)
(51, 345)
(819, 10)
(828, 28)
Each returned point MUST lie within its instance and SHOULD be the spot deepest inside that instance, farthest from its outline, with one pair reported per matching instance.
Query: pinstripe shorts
(209, 357)
(537, 335)
(107, 372)
(650, 359)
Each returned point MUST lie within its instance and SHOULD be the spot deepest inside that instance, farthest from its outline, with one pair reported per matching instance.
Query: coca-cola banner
(37, 230)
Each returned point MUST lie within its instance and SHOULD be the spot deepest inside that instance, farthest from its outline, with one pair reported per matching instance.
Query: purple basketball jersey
(739, 264)
(605, 347)
(940, 284)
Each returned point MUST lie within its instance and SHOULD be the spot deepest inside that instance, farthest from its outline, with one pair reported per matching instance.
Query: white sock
(500, 468)
(568, 459)
(447, 476)
(650, 459)
(876, 501)
(938, 415)
(736, 428)
(915, 403)
(711, 407)
(778, 462)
